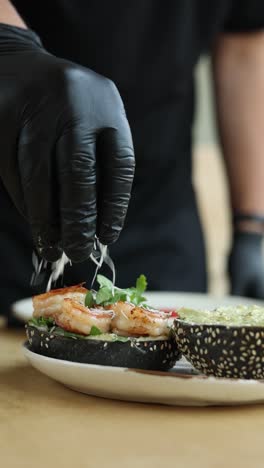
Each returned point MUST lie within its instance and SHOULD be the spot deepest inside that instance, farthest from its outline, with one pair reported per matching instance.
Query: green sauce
(241, 315)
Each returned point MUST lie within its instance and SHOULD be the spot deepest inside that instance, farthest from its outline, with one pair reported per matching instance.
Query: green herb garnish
(89, 299)
(44, 322)
(47, 323)
(104, 295)
(109, 294)
(95, 331)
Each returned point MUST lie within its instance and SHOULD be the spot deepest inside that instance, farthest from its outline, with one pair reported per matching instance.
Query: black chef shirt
(149, 49)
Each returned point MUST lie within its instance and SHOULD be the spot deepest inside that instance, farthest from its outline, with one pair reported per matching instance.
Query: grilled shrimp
(77, 318)
(131, 320)
(48, 304)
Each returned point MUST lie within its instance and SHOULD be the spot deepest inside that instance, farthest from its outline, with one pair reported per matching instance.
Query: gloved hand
(246, 265)
(66, 153)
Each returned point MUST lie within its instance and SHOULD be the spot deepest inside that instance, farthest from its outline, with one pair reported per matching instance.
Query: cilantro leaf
(103, 295)
(137, 299)
(33, 321)
(141, 284)
(46, 322)
(95, 331)
(120, 296)
(89, 299)
(104, 282)
(109, 294)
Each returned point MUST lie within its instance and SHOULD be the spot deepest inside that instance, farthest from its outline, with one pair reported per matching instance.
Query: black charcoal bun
(159, 354)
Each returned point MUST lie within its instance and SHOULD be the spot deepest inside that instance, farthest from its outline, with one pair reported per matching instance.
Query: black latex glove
(246, 265)
(58, 121)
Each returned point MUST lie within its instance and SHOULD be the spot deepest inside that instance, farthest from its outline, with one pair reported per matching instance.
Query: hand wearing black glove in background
(61, 126)
(246, 265)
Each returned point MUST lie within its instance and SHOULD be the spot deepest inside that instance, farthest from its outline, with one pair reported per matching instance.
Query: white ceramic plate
(23, 309)
(180, 387)
(175, 300)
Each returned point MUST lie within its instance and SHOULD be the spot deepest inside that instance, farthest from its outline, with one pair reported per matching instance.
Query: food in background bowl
(112, 327)
(225, 342)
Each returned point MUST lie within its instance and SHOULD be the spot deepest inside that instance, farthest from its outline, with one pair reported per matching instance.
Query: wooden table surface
(43, 424)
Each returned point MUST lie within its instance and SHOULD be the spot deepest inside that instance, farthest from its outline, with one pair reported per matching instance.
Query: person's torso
(147, 47)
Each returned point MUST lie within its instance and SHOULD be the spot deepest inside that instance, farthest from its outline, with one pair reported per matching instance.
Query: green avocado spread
(241, 315)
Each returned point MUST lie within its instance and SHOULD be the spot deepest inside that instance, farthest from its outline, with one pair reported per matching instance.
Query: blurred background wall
(210, 182)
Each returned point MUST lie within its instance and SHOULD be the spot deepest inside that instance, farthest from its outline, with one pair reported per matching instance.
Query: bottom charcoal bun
(109, 350)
